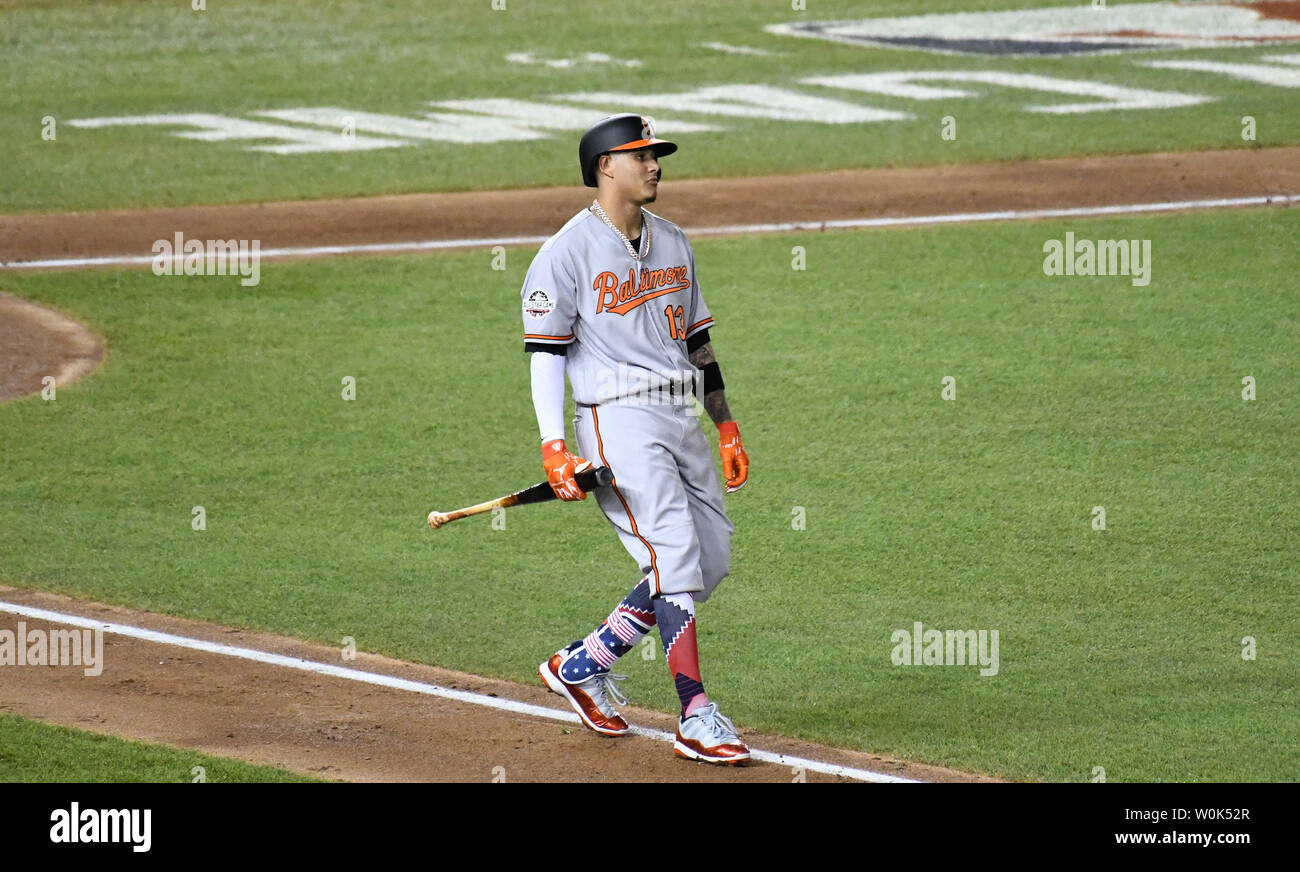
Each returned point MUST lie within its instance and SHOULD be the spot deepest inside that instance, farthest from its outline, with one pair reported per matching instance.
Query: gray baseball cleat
(710, 736)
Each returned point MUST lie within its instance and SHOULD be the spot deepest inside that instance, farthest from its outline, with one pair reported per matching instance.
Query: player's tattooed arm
(715, 404)
(715, 401)
(703, 356)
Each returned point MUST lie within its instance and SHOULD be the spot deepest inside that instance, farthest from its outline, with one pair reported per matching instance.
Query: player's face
(636, 174)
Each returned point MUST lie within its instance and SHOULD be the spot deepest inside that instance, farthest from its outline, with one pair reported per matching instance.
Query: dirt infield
(343, 729)
(40, 342)
(337, 728)
(696, 203)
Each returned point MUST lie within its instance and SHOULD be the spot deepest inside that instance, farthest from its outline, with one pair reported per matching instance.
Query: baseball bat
(588, 479)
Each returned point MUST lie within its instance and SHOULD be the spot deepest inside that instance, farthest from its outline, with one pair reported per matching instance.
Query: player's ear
(604, 165)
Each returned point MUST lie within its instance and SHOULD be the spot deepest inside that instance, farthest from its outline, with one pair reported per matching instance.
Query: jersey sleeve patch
(538, 305)
(549, 306)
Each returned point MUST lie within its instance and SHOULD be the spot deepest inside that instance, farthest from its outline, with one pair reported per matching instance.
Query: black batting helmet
(617, 133)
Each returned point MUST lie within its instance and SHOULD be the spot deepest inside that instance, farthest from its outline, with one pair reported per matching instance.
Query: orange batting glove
(735, 462)
(560, 468)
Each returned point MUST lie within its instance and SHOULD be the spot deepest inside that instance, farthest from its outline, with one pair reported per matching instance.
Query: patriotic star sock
(625, 626)
(675, 613)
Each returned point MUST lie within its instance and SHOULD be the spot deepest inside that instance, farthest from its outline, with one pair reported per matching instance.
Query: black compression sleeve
(697, 340)
(712, 378)
(561, 350)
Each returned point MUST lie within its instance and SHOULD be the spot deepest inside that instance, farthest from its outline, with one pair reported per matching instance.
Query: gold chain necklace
(627, 243)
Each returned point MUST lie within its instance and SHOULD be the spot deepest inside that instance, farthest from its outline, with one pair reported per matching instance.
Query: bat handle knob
(437, 519)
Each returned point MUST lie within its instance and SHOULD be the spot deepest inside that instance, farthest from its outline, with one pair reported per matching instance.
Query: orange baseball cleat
(589, 698)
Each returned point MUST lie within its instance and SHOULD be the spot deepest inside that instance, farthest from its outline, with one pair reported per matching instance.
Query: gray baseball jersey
(626, 324)
(627, 321)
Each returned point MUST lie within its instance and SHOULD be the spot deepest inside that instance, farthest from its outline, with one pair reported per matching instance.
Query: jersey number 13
(676, 322)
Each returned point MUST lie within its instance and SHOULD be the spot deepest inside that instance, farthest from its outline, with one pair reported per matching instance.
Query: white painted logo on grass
(748, 101)
(591, 58)
(317, 129)
(1109, 97)
(1068, 30)
(224, 128)
(351, 130)
(1287, 76)
(737, 49)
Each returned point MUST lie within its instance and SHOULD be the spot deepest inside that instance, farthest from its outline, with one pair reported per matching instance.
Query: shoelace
(717, 722)
(605, 684)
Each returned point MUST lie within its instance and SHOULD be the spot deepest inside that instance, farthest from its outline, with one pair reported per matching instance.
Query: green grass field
(1119, 648)
(34, 752)
(74, 60)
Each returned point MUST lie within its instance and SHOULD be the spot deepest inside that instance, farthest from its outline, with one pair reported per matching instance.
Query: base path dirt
(40, 343)
(696, 203)
(343, 729)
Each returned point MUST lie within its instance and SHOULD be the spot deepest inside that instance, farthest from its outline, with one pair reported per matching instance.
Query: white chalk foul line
(727, 230)
(1004, 215)
(396, 683)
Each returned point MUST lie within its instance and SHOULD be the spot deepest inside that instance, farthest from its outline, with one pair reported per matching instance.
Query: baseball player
(612, 300)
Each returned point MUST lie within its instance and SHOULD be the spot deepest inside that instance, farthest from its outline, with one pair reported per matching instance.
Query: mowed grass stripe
(69, 60)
